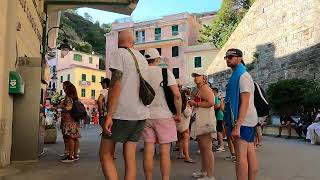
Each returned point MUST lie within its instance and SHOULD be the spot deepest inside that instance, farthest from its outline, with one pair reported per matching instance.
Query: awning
(116, 6)
(55, 6)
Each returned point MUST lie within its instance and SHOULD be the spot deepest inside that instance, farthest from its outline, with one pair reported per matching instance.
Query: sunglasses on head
(230, 57)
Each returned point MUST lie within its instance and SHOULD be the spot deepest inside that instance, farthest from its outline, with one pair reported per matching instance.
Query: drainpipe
(44, 34)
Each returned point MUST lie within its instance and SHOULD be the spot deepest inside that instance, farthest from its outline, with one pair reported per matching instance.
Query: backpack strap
(165, 76)
(260, 93)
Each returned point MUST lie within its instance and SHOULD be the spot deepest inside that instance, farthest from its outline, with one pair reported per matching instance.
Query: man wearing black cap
(102, 100)
(241, 115)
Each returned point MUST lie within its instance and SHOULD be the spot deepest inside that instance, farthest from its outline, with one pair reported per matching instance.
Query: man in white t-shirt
(126, 113)
(161, 126)
(245, 116)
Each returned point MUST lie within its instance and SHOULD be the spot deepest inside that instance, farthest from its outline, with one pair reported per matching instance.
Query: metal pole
(44, 34)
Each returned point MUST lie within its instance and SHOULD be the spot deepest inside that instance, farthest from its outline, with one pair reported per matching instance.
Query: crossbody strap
(261, 94)
(135, 61)
(165, 76)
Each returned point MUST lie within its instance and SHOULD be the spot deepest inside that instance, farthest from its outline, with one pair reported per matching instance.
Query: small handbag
(146, 92)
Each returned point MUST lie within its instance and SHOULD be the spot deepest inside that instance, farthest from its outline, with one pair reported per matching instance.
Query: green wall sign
(16, 84)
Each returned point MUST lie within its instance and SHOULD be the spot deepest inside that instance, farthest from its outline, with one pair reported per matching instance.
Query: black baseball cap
(234, 52)
(105, 80)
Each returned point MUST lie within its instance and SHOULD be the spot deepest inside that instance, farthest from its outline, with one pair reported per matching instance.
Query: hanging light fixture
(64, 48)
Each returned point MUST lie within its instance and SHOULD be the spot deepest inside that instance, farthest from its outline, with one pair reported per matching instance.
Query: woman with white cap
(160, 128)
(204, 125)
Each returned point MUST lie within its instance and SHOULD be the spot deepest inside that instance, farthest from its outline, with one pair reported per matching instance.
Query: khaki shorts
(125, 130)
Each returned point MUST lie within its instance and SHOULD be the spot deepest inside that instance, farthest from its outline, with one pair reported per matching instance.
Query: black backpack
(260, 101)
(169, 95)
(78, 111)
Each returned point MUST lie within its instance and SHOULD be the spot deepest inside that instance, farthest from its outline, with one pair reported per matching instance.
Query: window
(197, 62)
(93, 94)
(93, 78)
(159, 50)
(157, 34)
(101, 78)
(61, 79)
(83, 92)
(77, 57)
(175, 30)
(175, 51)
(142, 51)
(175, 72)
(84, 77)
(137, 37)
(140, 36)
(54, 69)
(90, 60)
(60, 92)
(68, 77)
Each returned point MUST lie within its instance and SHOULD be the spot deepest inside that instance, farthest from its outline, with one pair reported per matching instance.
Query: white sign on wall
(84, 83)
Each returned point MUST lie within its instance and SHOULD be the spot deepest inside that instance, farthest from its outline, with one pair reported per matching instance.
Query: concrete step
(273, 130)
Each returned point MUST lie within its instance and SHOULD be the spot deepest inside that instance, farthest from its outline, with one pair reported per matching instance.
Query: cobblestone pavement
(280, 159)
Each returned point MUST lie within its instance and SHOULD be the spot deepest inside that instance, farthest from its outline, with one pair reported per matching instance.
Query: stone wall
(279, 38)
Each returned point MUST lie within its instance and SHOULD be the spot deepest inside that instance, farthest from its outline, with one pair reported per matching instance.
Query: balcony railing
(160, 39)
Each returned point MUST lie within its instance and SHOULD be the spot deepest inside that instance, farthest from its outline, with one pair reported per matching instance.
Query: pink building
(77, 58)
(169, 34)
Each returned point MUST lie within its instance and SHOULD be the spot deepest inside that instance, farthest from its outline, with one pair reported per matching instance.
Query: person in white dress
(313, 133)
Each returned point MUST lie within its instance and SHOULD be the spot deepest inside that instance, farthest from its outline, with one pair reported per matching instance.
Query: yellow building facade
(23, 31)
(86, 80)
(198, 57)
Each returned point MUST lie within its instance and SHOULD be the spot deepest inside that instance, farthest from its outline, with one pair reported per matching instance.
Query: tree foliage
(292, 95)
(229, 16)
(84, 47)
(83, 33)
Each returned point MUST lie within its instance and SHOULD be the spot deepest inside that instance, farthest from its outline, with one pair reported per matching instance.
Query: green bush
(294, 95)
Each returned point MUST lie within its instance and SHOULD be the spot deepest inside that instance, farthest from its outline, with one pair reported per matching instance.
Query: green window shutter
(175, 72)
(175, 30)
(197, 62)
(84, 77)
(175, 51)
(101, 78)
(157, 34)
(93, 78)
(77, 57)
(90, 60)
(61, 79)
(83, 92)
(68, 77)
(93, 94)
(137, 37)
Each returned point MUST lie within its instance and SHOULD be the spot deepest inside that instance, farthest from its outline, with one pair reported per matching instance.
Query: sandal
(190, 161)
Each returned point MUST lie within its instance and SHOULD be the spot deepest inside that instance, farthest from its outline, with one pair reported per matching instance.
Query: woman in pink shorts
(161, 127)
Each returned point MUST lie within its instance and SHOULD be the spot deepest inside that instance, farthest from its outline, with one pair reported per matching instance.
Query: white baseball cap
(199, 72)
(151, 53)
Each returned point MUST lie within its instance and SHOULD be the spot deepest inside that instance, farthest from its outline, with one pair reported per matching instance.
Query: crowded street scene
(160, 90)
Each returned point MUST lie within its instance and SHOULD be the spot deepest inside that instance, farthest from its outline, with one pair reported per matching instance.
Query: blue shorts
(247, 133)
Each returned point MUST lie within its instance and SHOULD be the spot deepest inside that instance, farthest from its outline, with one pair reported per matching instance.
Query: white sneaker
(220, 150)
(206, 178)
(199, 174)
